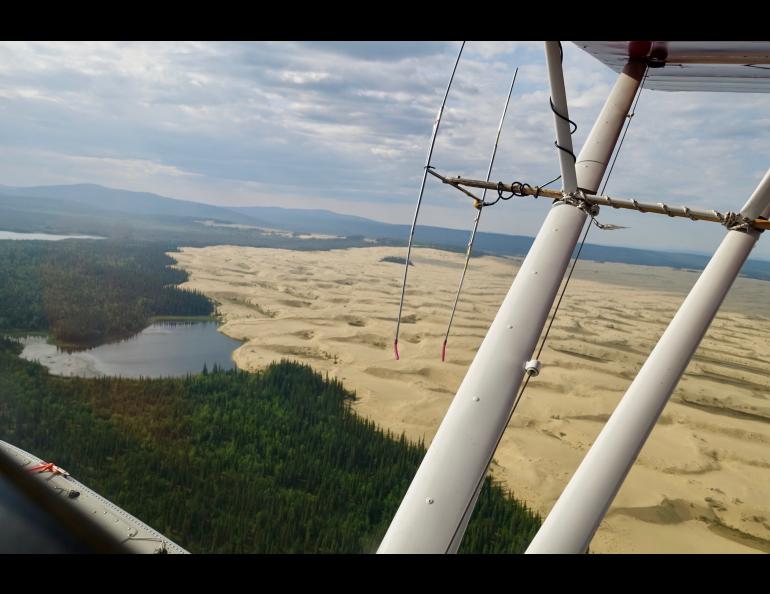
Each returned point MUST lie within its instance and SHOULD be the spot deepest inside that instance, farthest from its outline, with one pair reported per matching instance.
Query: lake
(43, 236)
(162, 349)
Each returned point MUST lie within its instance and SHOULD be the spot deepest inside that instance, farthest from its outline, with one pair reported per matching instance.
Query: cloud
(345, 125)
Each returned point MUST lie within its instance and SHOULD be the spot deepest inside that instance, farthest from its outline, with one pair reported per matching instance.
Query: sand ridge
(700, 484)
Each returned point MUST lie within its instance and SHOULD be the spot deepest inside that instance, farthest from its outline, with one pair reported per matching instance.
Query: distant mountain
(324, 221)
(120, 215)
(135, 203)
(93, 209)
(302, 220)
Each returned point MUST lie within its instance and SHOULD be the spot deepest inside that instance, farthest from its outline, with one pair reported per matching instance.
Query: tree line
(235, 462)
(90, 292)
(222, 461)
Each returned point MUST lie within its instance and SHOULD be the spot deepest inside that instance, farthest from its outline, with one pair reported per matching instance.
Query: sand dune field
(702, 481)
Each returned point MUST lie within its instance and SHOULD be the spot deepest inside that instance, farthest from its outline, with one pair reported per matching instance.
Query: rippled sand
(702, 481)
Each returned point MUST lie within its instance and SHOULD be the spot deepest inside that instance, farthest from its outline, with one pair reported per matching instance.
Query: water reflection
(43, 236)
(162, 349)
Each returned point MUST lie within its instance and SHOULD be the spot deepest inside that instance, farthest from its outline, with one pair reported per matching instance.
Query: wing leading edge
(726, 66)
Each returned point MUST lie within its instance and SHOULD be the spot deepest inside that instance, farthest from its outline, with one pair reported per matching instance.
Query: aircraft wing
(135, 535)
(733, 66)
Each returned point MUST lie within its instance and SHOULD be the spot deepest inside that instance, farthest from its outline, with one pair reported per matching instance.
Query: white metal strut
(436, 508)
(576, 516)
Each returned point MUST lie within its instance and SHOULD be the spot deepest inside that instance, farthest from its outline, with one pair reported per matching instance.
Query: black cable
(574, 262)
(564, 290)
(569, 121)
(585, 235)
(580, 249)
(517, 189)
(553, 317)
(566, 119)
(500, 193)
(557, 178)
(519, 186)
(574, 129)
(526, 381)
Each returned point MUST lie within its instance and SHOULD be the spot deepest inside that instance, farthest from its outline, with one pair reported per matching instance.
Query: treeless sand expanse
(702, 481)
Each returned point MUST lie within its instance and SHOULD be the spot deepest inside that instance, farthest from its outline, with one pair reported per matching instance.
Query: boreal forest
(220, 461)
(89, 292)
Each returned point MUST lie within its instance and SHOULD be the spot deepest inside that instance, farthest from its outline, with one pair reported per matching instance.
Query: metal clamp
(735, 221)
(578, 200)
(532, 368)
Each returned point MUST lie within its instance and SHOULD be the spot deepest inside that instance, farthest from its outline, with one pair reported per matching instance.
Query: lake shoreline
(336, 312)
(171, 348)
(8, 235)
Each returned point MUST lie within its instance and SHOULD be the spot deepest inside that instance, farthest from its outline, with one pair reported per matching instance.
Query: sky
(345, 126)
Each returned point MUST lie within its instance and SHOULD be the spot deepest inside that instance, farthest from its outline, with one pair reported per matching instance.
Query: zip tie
(48, 467)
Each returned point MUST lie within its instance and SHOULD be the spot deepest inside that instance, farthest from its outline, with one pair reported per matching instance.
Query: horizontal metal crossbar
(630, 204)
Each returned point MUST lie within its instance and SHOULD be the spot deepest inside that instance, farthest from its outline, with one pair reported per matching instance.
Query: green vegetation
(396, 260)
(130, 216)
(90, 292)
(142, 222)
(223, 462)
(234, 462)
(208, 318)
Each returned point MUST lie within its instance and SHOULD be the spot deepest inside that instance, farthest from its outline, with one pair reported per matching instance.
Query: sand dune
(702, 481)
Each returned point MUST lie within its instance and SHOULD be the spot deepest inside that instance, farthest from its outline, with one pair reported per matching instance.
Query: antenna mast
(479, 204)
(419, 198)
(437, 507)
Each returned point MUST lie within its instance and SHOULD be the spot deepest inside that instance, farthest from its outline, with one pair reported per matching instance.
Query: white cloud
(301, 78)
(346, 125)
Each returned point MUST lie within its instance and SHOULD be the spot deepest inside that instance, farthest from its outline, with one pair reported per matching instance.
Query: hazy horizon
(344, 126)
(673, 248)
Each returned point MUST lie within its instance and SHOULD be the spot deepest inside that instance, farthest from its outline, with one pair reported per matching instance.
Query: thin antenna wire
(580, 249)
(479, 206)
(561, 296)
(521, 391)
(628, 125)
(419, 198)
(591, 220)
(553, 317)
